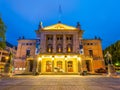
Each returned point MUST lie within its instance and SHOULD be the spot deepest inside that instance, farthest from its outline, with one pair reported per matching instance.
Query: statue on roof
(78, 25)
(40, 25)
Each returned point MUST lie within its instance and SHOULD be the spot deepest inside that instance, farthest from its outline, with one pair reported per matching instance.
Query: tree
(114, 50)
(2, 34)
(9, 64)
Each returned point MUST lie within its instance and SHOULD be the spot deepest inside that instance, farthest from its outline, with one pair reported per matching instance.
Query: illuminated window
(49, 48)
(20, 68)
(48, 66)
(59, 48)
(24, 68)
(70, 66)
(69, 48)
(59, 64)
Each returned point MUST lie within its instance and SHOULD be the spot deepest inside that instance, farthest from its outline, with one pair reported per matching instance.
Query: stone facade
(23, 46)
(61, 51)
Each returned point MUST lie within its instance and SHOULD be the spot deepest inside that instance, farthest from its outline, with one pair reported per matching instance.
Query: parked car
(101, 70)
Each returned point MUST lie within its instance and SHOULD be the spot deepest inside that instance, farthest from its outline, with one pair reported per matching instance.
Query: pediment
(59, 26)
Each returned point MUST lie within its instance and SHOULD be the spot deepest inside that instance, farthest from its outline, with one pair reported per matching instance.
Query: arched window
(59, 48)
(69, 48)
(49, 48)
(70, 66)
(59, 64)
(48, 66)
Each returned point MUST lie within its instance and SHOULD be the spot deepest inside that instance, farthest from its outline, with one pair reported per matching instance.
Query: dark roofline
(92, 39)
(9, 44)
(26, 39)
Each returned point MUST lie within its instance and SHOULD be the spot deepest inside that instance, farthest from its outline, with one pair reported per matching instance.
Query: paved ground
(59, 82)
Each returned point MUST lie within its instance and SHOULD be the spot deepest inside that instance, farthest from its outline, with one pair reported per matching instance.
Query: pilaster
(64, 43)
(54, 43)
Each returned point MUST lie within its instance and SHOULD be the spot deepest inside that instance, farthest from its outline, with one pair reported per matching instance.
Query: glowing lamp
(39, 59)
(6, 57)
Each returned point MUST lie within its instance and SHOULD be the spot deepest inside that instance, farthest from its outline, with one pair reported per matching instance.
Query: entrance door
(70, 66)
(48, 66)
(31, 65)
(88, 65)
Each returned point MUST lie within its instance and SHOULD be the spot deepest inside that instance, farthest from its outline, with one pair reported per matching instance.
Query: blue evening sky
(97, 17)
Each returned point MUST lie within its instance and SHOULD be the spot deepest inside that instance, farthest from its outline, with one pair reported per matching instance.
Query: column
(74, 43)
(64, 44)
(54, 43)
(44, 43)
(52, 65)
(92, 67)
(66, 64)
(39, 66)
(34, 66)
(79, 68)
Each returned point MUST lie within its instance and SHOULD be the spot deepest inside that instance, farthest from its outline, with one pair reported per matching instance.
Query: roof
(9, 44)
(26, 39)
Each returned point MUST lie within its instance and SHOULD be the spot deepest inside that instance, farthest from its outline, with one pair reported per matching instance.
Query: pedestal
(111, 70)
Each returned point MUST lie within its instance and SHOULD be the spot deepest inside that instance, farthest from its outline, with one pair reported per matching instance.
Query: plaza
(60, 82)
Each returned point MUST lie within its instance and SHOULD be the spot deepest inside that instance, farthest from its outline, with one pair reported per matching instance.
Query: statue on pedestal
(108, 58)
(111, 69)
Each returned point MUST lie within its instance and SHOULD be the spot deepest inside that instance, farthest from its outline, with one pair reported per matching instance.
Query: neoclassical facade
(60, 49)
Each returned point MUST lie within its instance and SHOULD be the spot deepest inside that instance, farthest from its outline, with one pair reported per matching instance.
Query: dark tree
(114, 50)
(2, 34)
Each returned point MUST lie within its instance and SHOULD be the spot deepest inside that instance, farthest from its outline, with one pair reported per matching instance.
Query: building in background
(62, 50)
(4, 55)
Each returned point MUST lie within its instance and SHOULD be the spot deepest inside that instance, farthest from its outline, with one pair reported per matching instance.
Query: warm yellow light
(65, 57)
(60, 26)
(6, 57)
(79, 58)
(49, 50)
(59, 50)
(57, 56)
(52, 58)
(39, 59)
(69, 49)
(70, 56)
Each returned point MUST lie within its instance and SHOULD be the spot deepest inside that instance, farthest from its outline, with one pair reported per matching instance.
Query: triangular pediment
(59, 26)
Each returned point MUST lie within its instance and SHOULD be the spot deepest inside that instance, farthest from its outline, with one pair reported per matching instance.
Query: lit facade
(62, 50)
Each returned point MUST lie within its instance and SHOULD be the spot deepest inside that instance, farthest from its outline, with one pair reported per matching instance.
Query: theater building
(60, 49)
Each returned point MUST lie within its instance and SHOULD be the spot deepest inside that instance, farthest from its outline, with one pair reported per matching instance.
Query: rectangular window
(28, 52)
(91, 52)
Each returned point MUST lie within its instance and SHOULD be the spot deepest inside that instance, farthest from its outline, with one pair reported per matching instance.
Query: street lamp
(6, 57)
(39, 58)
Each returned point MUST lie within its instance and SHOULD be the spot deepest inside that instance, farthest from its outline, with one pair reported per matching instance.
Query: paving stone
(60, 82)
